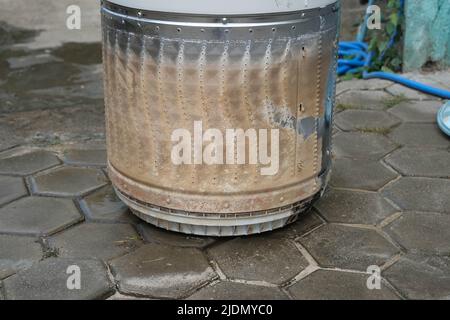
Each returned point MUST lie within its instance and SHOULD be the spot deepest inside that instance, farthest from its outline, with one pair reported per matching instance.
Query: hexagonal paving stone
(360, 99)
(102, 241)
(104, 205)
(69, 181)
(357, 145)
(399, 90)
(441, 77)
(420, 194)
(38, 216)
(337, 285)
(418, 134)
(417, 111)
(227, 290)
(421, 277)
(354, 207)
(254, 258)
(306, 222)
(419, 162)
(360, 174)
(28, 163)
(17, 253)
(47, 280)
(348, 247)
(11, 188)
(436, 78)
(356, 84)
(7, 137)
(153, 234)
(85, 157)
(425, 232)
(365, 120)
(162, 271)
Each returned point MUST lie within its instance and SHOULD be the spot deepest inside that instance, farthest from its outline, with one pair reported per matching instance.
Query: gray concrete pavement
(387, 204)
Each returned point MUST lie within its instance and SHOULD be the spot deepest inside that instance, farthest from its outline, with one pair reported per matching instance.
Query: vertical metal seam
(297, 106)
(318, 99)
(333, 103)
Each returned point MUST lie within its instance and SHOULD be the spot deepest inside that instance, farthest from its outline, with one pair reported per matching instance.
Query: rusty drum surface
(167, 71)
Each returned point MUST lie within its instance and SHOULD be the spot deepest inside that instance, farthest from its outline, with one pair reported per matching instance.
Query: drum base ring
(215, 224)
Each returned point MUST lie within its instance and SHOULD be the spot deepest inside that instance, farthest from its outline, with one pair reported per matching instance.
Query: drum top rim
(229, 7)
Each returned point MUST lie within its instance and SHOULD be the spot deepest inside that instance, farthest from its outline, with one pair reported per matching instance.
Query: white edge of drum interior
(221, 7)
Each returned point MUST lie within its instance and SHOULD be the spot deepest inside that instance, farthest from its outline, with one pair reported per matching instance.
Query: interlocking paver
(17, 253)
(442, 77)
(419, 162)
(417, 111)
(371, 84)
(421, 277)
(38, 216)
(226, 290)
(348, 247)
(366, 120)
(162, 271)
(11, 188)
(7, 138)
(69, 181)
(360, 174)
(253, 258)
(90, 240)
(85, 157)
(437, 78)
(354, 207)
(358, 145)
(153, 234)
(419, 134)
(420, 194)
(425, 232)
(104, 205)
(28, 163)
(399, 90)
(47, 280)
(306, 222)
(337, 285)
(360, 99)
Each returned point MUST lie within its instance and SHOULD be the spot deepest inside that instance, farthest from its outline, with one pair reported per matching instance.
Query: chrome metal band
(170, 18)
(217, 224)
(234, 27)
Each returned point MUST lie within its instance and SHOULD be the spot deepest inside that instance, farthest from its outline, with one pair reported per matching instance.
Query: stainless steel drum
(197, 65)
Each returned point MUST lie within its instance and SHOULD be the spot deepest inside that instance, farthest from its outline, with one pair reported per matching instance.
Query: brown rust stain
(153, 89)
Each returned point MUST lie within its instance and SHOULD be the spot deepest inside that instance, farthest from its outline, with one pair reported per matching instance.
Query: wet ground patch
(61, 77)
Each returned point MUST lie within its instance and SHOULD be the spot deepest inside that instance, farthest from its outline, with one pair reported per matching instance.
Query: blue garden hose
(354, 56)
